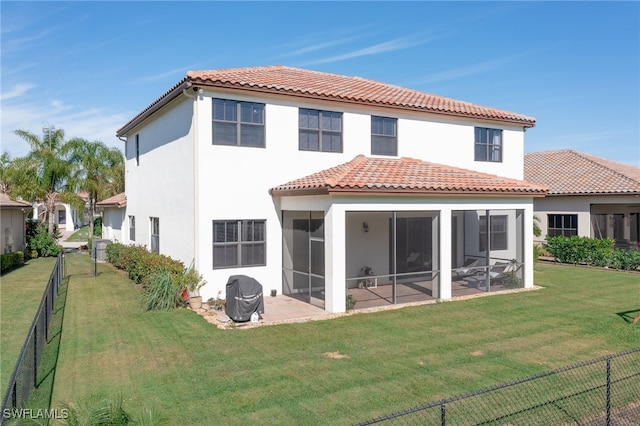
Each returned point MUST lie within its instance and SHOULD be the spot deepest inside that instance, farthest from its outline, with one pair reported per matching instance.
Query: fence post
(608, 391)
(443, 413)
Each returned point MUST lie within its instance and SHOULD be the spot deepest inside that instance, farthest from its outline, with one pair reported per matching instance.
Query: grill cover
(244, 297)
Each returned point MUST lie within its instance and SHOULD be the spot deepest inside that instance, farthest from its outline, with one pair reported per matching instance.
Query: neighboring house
(12, 223)
(113, 216)
(301, 179)
(65, 216)
(588, 196)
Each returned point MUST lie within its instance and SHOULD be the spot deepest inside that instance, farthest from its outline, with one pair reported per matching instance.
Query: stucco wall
(12, 230)
(583, 206)
(161, 185)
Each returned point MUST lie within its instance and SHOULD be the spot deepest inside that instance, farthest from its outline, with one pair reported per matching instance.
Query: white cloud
(388, 46)
(91, 124)
(18, 90)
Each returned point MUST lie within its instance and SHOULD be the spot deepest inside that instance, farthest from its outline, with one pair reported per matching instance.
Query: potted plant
(193, 282)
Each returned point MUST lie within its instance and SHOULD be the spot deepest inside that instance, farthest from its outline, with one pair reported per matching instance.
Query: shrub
(11, 260)
(39, 240)
(351, 302)
(140, 263)
(161, 291)
(592, 251)
(97, 227)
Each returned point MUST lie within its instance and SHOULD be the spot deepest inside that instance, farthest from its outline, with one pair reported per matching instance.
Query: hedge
(592, 251)
(141, 263)
(11, 260)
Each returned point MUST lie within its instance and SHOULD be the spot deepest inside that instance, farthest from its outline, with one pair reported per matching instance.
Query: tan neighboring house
(113, 216)
(12, 220)
(588, 196)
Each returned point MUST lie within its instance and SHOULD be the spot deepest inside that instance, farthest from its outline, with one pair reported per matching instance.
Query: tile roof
(285, 80)
(7, 202)
(569, 172)
(119, 201)
(405, 176)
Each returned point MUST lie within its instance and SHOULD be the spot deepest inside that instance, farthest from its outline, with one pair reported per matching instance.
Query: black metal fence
(603, 391)
(25, 374)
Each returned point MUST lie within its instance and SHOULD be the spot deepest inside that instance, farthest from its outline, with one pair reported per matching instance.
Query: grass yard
(20, 293)
(190, 372)
(81, 235)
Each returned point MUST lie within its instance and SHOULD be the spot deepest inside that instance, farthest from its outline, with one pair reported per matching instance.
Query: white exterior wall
(162, 184)
(113, 224)
(581, 205)
(232, 183)
(12, 224)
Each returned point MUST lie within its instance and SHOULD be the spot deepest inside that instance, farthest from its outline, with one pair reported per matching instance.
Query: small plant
(511, 278)
(161, 292)
(217, 304)
(351, 302)
(192, 280)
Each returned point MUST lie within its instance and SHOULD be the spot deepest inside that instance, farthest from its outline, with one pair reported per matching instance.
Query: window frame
(319, 130)
(132, 228)
(238, 120)
(495, 243)
(382, 138)
(242, 243)
(154, 220)
(564, 229)
(137, 149)
(486, 147)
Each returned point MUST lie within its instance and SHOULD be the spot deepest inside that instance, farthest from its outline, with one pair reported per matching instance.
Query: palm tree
(44, 173)
(98, 170)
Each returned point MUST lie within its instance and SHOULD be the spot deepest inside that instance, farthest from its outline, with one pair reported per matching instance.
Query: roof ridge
(592, 159)
(333, 180)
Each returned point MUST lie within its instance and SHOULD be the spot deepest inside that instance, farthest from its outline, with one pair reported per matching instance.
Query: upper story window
(320, 130)
(238, 123)
(137, 150)
(488, 144)
(384, 136)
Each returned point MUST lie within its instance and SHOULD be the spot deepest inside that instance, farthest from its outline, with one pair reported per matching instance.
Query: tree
(44, 173)
(98, 170)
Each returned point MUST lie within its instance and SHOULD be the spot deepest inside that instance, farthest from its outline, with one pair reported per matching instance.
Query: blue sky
(88, 67)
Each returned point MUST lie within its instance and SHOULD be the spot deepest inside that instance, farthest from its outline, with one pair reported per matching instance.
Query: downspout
(196, 233)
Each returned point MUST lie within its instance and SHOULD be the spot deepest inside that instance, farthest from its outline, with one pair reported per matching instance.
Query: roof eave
(403, 192)
(258, 89)
(163, 100)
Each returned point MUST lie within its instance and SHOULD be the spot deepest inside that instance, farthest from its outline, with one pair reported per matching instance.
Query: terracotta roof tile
(119, 201)
(280, 79)
(405, 175)
(7, 202)
(568, 172)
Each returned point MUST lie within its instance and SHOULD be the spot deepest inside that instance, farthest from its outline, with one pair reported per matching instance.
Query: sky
(89, 67)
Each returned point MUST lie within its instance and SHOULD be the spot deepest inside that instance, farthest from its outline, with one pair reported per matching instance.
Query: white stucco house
(66, 217)
(588, 196)
(113, 216)
(12, 222)
(324, 186)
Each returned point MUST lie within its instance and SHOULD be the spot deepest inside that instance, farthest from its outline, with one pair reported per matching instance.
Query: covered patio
(364, 240)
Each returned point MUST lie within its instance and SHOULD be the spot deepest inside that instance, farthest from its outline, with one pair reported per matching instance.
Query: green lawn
(20, 293)
(81, 235)
(191, 372)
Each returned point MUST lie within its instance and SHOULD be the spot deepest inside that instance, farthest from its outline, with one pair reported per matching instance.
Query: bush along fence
(24, 378)
(11, 260)
(603, 391)
(593, 252)
(166, 281)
